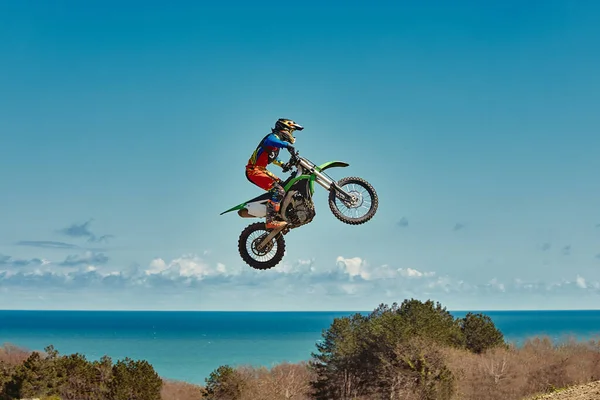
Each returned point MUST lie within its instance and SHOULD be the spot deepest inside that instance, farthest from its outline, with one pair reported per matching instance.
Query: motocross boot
(271, 221)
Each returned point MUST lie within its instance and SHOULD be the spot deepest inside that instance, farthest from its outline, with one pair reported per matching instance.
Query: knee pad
(277, 193)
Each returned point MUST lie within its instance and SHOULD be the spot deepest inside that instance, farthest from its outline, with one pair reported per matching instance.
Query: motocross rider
(267, 152)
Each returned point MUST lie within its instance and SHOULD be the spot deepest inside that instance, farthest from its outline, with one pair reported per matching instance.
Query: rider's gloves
(291, 148)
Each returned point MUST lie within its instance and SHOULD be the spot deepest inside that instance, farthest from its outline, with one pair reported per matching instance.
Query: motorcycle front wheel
(363, 205)
(265, 258)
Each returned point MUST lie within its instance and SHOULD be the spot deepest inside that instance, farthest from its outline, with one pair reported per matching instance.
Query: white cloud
(445, 284)
(188, 266)
(221, 269)
(494, 283)
(353, 276)
(413, 273)
(354, 266)
(358, 267)
(300, 266)
(156, 266)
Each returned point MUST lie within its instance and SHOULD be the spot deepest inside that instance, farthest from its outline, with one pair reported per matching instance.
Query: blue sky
(126, 126)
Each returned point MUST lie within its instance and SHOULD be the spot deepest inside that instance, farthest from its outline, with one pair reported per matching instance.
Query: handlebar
(294, 154)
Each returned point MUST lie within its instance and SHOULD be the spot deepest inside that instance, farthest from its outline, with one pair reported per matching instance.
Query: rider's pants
(266, 180)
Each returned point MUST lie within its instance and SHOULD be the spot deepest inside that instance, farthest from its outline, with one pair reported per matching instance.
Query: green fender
(238, 207)
(311, 177)
(331, 164)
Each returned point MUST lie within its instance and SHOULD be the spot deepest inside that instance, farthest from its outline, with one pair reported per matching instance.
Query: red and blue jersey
(267, 152)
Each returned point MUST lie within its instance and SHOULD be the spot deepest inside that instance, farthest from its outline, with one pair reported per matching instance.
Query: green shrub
(224, 383)
(480, 333)
(134, 380)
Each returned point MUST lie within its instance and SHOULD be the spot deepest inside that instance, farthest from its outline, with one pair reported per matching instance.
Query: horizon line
(286, 311)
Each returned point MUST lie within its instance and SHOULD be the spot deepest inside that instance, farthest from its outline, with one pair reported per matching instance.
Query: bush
(134, 380)
(480, 333)
(224, 383)
(282, 382)
(12, 356)
(175, 390)
(51, 376)
(36, 377)
(416, 369)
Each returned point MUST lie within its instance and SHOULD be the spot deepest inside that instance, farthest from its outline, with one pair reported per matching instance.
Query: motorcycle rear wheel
(337, 204)
(249, 239)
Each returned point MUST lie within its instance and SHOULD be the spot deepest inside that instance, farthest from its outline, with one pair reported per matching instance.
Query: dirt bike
(298, 209)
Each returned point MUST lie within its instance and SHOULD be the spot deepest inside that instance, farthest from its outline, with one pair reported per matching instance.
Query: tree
(103, 372)
(224, 383)
(83, 379)
(359, 353)
(6, 372)
(343, 365)
(480, 333)
(48, 374)
(288, 381)
(416, 369)
(431, 320)
(35, 377)
(134, 380)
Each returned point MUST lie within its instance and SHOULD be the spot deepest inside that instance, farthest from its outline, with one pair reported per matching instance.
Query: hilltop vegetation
(414, 351)
(70, 377)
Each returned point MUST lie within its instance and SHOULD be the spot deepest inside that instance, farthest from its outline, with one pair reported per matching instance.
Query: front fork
(327, 183)
(270, 237)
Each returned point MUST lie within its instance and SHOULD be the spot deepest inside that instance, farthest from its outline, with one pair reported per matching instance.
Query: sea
(188, 346)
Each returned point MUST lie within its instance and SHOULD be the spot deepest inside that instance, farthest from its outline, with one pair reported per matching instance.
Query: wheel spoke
(268, 256)
(265, 254)
(364, 201)
(357, 205)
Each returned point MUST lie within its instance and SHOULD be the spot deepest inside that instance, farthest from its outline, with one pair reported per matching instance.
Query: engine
(300, 210)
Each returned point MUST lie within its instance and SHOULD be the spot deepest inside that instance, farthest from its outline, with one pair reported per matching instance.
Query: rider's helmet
(285, 128)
